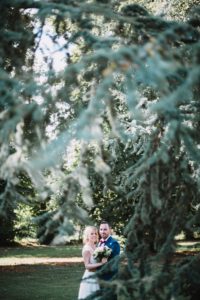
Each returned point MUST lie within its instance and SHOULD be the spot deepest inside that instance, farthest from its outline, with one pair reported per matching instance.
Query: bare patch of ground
(14, 261)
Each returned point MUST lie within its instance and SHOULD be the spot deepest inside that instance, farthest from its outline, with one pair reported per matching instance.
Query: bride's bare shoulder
(86, 248)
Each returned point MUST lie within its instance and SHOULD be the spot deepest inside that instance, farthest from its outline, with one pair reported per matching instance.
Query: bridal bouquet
(101, 252)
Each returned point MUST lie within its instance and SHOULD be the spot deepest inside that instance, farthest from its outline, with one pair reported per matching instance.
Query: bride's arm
(88, 265)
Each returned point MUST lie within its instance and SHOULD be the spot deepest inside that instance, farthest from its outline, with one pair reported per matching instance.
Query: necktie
(102, 242)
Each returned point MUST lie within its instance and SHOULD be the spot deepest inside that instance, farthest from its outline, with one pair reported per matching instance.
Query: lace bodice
(91, 250)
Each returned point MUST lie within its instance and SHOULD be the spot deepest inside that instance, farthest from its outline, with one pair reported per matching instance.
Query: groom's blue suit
(114, 245)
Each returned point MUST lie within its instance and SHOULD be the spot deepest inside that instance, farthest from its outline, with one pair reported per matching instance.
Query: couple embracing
(95, 254)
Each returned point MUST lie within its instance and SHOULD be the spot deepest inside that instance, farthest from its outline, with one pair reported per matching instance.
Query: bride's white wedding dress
(89, 282)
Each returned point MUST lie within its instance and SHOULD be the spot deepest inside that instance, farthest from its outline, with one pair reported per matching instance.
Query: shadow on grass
(53, 281)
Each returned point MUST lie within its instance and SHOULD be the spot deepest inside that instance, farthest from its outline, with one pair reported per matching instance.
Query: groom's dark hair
(105, 222)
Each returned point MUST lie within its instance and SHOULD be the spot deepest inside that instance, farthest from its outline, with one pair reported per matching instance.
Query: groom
(109, 241)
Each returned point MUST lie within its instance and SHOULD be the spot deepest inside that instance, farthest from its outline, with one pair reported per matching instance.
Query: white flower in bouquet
(101, 252)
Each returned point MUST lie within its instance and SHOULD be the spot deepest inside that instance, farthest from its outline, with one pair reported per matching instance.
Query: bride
(89, 282)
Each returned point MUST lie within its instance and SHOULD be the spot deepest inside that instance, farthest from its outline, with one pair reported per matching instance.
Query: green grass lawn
(40, 282)
(52, 281)
(41, 251)
(46, 281)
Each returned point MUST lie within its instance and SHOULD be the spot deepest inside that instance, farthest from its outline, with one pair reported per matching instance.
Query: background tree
(17, 40)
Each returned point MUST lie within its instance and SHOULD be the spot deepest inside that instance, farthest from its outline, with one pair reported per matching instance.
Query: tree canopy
(108, 128)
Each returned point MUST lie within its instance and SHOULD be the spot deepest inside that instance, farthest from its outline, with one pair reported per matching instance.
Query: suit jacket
(114, 245)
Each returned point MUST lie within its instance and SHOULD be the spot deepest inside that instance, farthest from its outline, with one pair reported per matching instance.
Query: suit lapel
(109, 242)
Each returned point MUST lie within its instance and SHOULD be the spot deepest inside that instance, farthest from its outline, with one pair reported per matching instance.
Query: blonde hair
(86, 233)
